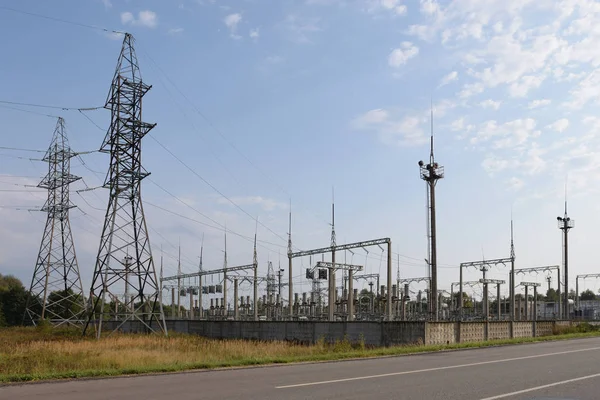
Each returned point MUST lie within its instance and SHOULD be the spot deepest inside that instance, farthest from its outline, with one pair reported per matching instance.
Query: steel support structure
(350, 246)
(125, 232)
(467, 283)
(225, 271)
(407, 282)
(477, 264)
(486, 302)
(535, 285)
(547, 268)
(577, 278)
(56, 292)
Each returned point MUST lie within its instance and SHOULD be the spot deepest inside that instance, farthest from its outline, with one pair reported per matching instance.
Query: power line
(215, 189)
(250, 239)
(47, 106)
(20, 158)
(61, 20)
(89, 119)
(219, 132)
(29, 111)
(20, 149)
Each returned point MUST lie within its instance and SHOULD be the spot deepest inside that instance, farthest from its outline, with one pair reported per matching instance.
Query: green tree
(64, 304)
(552, 295)
(467, 301)
(587, 295)
(13, 299)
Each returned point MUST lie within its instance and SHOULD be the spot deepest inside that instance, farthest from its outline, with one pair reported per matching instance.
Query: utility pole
(279, 285)
(125, 224)
(512, 272)
(290, 277)
(56, 291)
(431, 173)
(255, 278)
(565, 223)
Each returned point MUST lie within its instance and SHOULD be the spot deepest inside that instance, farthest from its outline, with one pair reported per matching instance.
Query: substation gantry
(329, 267)
(224, 271)
(342, 247)
(547, 268)
(483, 266)
(404, 289)
(527, 285)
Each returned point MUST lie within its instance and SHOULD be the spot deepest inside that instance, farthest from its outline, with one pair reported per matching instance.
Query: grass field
(30, 354)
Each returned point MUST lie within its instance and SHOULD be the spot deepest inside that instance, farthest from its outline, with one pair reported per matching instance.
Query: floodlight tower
(431, 173)
(564, 224)
(125, 231)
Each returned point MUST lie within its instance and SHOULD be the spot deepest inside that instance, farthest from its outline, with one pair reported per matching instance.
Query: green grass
(33, 354)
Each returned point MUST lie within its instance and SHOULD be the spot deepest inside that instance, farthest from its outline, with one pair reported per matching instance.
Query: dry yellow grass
(28, 354)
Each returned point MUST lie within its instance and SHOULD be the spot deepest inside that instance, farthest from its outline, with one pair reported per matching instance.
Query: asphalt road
(545, 371)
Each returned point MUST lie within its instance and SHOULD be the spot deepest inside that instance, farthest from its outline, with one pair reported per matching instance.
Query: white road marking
(501, 396)
(418, 371)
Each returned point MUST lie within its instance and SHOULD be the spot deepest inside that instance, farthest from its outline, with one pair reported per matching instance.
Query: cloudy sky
(262, 101)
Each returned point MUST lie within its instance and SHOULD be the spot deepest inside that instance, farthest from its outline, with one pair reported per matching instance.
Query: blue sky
(276, 100)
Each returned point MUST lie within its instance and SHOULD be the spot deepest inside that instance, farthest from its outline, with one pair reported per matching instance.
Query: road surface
(545, 371)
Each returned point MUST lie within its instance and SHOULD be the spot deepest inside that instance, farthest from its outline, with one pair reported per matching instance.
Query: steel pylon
(125, 287)
(56, 292)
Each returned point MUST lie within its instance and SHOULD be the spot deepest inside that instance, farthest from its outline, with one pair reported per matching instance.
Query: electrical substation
(130, 291)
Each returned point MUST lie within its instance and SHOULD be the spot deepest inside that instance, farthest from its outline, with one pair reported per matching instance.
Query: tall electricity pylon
(56, 292)
(124, 263)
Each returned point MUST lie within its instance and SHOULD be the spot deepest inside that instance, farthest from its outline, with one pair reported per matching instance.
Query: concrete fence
(371, 333)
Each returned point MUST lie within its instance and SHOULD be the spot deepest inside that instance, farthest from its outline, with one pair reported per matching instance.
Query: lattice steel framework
(56, 292)
(125, 234)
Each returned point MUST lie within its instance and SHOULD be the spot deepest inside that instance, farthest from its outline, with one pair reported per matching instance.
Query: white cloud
(107, 3)
(515, 183)
(254, 33)
(538, 103)
(388, 6)
(265, 203)
(458, 124)
(452, 76)
(232, 21)
(126, 17)
(395, 6)
(429, 7)
(372, 117)
(174, 31)
(400, 130)
(145, 18)
(489, 103)
(511, 134)
(299, 30)
(274, 59)
(525, 84)
(471, 89)
(587, 90)
(114, 35)
(560, 125)
(402, 54)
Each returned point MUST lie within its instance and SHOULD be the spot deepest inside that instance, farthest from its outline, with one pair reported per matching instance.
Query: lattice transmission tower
(124, 263)
(56, 292)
